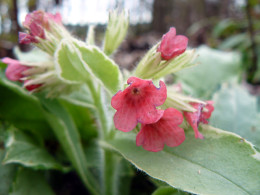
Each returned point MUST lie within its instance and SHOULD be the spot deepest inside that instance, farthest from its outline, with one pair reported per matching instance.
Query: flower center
(135, 91)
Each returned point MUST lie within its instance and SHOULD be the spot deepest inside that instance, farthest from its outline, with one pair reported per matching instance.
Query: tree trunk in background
(162, 15)
(32, 5)
(180, 14)
(14, 18)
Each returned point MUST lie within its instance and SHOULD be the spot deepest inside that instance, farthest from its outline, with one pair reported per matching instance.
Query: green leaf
(239, 40)
(113, 172)
(7, 173)
(21, 149)
(227, 26)
(118, 174)
(81, 97)
(167, 190)
(236, 111)
(30, 182)
(101, 67)
(68, 63)
(35, 55)
(21, 109)
(214, 67)
(68, 136)
(222, 163)
(83, 120)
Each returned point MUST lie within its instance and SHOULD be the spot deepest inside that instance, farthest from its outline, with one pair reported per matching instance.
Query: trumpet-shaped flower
(14, 70)
(165, 131)
(172, 45)
(137, 103)
(201, 115)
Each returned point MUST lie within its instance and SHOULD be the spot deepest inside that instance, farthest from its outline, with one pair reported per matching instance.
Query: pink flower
(14, 70)
(137, 103)
(25, 38)
(165, 131)
(37, 22)
(201, 115)
(56, 18)
(172, 45)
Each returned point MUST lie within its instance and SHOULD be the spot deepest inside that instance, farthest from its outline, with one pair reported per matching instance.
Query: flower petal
(157, 95)
(193, 119)
(14, 69)
(117, 100)
(206, 114)
(147, 114)
(165, 131)
(139, 100)
(125, 119)
(150, 139)
(25, 38)
(32, 86)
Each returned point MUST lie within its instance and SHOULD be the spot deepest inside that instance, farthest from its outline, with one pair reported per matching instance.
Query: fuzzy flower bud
(167, 57)
(172, 45)
(116, 30)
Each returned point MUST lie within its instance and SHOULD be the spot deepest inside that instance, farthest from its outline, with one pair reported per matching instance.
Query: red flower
(172, 45)
(14, 70)
(31, 87)
(137, 103)
(201, 115)
(165, 131)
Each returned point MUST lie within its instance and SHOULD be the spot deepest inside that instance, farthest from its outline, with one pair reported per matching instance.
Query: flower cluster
(45, 30)
(137, 104)
(19, 71)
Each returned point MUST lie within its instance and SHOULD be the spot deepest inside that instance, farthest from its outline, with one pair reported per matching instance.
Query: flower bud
(172, 45)
(38, 76)
(116, 31)
(167, 57)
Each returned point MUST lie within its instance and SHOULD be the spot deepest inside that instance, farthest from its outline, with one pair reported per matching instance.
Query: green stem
(68, 136)
(101, 116)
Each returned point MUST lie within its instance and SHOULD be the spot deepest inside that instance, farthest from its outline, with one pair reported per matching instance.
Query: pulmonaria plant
(81, 79)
